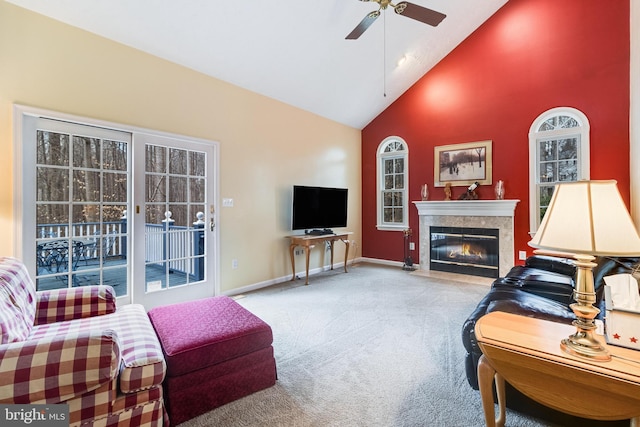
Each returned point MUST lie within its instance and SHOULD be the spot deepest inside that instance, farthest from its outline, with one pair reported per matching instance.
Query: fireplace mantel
(469, 213)
(467, 207)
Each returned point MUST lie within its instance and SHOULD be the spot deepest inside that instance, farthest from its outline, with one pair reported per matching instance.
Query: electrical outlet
(412, 246)
(234, 263)
(522, 255)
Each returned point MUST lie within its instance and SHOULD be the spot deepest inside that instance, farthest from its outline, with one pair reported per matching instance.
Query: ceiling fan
(410, 10)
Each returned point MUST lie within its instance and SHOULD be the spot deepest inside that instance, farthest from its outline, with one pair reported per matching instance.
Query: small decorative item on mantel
(447, 191)
(470, 194)
(500, 190)
(424, 192)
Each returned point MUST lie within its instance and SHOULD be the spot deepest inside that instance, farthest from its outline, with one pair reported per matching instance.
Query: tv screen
(319, 208)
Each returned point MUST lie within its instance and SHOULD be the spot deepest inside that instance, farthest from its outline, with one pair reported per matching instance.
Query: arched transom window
(558, 152)
(392, 182)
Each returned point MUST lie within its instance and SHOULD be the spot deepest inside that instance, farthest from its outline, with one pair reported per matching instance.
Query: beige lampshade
(587, 217)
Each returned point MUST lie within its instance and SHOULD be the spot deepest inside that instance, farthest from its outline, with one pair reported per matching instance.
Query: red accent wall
(529, 57)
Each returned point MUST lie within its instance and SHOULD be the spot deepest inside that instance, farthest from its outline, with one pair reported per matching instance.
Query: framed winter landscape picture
(463, 164)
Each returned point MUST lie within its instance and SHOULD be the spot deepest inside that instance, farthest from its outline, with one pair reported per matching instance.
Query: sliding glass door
(76, 195)
(127, 209)
(175, 198)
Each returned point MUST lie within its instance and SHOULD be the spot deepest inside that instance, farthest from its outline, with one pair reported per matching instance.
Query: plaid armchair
(72, 346)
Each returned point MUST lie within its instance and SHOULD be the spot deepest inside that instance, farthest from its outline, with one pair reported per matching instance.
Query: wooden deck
(114, 274)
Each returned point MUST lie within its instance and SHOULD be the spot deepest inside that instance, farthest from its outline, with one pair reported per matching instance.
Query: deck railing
(179, 246)
(172, 243)
(88, 233)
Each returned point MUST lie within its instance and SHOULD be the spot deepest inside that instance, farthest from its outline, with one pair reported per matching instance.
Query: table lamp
(586, 219)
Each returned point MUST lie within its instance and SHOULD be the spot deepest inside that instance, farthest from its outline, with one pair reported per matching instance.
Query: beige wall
(265, 146)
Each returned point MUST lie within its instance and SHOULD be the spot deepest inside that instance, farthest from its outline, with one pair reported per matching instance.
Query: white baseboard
(300, 275)
(386, 262)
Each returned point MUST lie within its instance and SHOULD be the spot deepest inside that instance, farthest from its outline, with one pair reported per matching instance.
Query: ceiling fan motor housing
(410, 10)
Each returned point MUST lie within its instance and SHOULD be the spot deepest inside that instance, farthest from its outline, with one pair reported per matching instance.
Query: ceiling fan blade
(363, 25)
(419, 13)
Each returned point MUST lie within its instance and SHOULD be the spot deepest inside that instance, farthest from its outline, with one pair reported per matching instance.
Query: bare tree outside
(175, 182)
(97, 179)
(79, 179)
(84, 183)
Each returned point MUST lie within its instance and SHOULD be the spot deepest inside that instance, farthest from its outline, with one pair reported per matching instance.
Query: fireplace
(495, 214)
(465, 250)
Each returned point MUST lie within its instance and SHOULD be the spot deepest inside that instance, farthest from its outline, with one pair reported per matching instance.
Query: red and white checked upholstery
(72, 346)
(17, 301)
(59, 305)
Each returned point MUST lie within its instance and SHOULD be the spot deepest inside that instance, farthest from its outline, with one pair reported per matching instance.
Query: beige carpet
(377, 346)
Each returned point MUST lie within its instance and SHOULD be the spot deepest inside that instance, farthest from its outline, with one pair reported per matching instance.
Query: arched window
(393, 179)
(558, 152)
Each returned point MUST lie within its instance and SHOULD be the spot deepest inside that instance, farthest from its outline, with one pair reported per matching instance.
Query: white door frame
(183, 293)
(21, 130)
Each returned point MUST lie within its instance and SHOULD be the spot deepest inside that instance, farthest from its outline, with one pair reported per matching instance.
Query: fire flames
(466, 250)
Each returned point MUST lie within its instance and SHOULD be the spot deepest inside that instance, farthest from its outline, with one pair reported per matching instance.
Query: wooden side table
(526, 353)
(308, 241)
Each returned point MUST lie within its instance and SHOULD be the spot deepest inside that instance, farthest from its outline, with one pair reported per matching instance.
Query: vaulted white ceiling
(290, 50)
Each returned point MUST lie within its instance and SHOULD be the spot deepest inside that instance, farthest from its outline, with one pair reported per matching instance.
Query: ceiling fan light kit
(410, 10)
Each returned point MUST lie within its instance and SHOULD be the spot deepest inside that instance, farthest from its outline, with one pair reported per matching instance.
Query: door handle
(212, 222)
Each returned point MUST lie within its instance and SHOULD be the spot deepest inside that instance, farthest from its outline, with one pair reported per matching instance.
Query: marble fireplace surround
(469, 213)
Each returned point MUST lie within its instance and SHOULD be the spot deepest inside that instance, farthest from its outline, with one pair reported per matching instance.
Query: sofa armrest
(607, 266)
(59, 305)
(511, 300)
(57, 368)
(549, 284)
(565, 266)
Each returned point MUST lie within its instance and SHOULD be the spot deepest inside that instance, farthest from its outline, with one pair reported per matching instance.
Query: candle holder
(500, 190)
(424, 192)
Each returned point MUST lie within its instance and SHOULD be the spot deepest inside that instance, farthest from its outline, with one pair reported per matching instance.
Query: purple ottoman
(216, 352)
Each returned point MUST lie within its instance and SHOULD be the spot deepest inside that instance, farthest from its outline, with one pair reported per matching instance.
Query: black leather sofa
(542, 288)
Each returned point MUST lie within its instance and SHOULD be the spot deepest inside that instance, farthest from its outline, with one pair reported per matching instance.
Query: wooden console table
(308, 241)
(526, 353)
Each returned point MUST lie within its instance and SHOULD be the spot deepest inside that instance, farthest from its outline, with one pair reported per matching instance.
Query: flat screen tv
(319, 209)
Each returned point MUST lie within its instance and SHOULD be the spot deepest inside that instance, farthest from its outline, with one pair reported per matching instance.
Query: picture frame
(463, 164)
